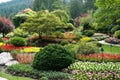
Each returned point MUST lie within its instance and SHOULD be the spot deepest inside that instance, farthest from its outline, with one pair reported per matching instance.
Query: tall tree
(47, 4)
(43, 23)
(107, 14)
(6, 26)
(76, 8)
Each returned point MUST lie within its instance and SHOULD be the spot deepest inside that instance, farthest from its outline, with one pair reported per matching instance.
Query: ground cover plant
(10, 77)
(94, 70)
(28, 71)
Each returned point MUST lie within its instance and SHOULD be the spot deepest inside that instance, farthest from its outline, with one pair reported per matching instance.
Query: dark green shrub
(18, 41)
(88, 33)
(117, 34)
(87, 48)
(1, 40)
(24, 69)
(59, 35)
(64, 42)
(115, 28)
(52, 57)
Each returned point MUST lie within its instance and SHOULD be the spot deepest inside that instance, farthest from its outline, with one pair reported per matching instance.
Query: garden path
(103, 42)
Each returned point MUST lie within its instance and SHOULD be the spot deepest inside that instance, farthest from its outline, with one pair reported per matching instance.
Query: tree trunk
(3, 35)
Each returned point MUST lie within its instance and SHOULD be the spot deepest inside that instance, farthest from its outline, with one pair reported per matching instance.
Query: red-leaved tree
(6, 26)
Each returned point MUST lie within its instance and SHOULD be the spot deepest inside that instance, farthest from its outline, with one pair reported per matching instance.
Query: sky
(4, 1)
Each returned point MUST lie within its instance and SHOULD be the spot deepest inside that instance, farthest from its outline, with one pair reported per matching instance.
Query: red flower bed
(5, 39)
(99, 57)
(10, 47)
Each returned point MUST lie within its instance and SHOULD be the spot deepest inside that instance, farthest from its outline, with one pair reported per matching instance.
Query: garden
(51, 44)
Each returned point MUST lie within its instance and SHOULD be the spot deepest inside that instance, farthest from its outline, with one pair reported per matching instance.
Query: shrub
(112, 40)
(64, 42)
(14, 53)
(117, 34)
(1, 50)
(28, 71)
(88, 33)
(115, 28)
(18, 41)
(52, 57)
(59, 35)
(87, 48)
(1, 40)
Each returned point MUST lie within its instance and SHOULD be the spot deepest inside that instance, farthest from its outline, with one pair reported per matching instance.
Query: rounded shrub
(1, 40)
(87, 48)
(18, 41)
(88, 33)
(117, 34)
(52, 57)
(64, 42)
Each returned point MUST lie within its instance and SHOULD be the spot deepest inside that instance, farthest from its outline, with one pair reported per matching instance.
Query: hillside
(8, 9)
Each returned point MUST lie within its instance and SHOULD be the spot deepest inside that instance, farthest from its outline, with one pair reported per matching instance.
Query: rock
(5, 57)
(3, 78)
(11, 63)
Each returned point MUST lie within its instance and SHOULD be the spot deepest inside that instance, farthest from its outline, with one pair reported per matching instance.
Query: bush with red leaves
(6, 25)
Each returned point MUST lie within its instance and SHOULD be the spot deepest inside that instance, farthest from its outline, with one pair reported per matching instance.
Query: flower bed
(99, 57)
(10, 47)
(25, 58)
(95, 71)
(30, 50)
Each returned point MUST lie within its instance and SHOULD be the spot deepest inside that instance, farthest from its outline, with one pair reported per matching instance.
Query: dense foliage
(9, 9)
(52, 57)
(18, 41)
(23, 69)
(6, 25)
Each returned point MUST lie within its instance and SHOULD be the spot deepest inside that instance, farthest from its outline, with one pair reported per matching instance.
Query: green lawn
(10, 77)
(113, 49)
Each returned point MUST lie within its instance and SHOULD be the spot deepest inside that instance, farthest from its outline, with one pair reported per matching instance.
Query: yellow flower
(86, 39)
(31, 50)
(1, 44)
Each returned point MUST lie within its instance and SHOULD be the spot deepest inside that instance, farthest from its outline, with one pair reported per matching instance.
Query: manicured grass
(112, 50)
(10, 77)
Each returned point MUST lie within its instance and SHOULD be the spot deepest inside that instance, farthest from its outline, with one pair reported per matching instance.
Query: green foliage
(24, 69)
(88, 33)
(20, 33)
(22, 16)
(1, 50)
(14, 53)
(62, 15)
(18, 41)
(48, 23)
(117, 34)
(47, 5)
(87, 48)
(44, 78)
(1, 40)
(64, 42)
(52, 57)
(115, 28)
(10, 77)
(58, 35)
(111, 15)
(9, 9)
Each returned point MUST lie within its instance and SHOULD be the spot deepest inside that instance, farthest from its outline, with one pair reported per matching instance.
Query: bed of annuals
(96, 71)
